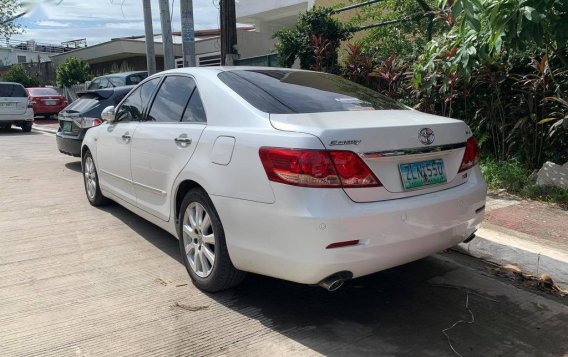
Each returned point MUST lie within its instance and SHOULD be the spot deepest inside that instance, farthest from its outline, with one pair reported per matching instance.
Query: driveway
(80, 281)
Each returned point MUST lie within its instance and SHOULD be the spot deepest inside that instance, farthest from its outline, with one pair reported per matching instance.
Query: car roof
(11, 83)
(107, 92)
(218, 69)
(122, 74)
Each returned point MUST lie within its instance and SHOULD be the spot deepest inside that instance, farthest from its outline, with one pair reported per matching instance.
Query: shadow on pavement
(74, 166)
(14, 131)
(401, 311)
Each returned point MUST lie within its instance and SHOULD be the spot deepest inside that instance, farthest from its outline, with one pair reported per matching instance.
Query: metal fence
(33, 46)
(269, 60)
(70, 93)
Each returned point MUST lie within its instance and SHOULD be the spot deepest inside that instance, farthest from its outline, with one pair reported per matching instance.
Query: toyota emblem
(426, 136)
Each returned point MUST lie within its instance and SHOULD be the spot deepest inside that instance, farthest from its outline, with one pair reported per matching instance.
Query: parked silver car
(15, 107)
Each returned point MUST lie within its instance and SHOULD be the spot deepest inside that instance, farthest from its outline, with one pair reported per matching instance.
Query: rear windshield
(12, 90)
(285, 91)
(42, 91)
(85, 103)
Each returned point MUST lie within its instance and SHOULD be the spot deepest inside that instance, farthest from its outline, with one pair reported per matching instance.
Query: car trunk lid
(385, 140)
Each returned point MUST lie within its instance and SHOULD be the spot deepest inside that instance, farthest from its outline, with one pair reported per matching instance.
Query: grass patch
(512, 177)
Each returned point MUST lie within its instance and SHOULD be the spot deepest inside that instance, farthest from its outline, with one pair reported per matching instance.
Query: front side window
(287, 91)
(171, 99)
(132, 108)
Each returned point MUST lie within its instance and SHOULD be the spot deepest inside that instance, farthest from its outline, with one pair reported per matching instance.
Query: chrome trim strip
(151, 189)
(115, 176)
(412, 151)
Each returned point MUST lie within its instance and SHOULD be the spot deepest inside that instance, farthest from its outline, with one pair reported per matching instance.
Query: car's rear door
(163, 143)
(114, 145)
(13, 99)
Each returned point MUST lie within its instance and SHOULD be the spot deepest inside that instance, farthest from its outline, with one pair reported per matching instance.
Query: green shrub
(72, 71)
(18, 74)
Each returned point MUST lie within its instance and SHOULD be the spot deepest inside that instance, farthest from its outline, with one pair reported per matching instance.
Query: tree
(315, 40)
(18, 74)
(72, 71)
(10, 10)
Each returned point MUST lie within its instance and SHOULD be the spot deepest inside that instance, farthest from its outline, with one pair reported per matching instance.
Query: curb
(45, 130)
(502, 248)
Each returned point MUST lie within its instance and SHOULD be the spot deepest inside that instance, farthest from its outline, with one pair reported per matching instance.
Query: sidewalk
(46, 125)
(528, 234)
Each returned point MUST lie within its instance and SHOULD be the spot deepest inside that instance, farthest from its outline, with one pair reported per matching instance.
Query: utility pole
(228, 32)
(167, 39)
(187, 33)
(149, 28)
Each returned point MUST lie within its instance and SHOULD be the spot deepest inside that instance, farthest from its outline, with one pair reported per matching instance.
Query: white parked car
(298, 175)
(15, 107)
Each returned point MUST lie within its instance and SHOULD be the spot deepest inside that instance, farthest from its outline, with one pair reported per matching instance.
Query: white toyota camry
(298, 175)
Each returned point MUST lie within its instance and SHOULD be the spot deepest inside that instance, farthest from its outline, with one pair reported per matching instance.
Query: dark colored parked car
(85, 113)
(46, 101)
(117, 80)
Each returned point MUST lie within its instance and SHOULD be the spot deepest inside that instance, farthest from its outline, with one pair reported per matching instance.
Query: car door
(114, 145)
(164, 142)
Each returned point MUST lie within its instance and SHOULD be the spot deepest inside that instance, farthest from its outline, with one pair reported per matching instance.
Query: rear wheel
(202, 244)
(27, 126)
(5, 126)
(91, 180)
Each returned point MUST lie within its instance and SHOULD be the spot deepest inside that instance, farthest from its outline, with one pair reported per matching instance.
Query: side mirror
(108, 114)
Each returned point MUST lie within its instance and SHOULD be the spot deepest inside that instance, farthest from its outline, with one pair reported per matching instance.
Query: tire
(91, 181)
(27, 126)
(5, 126)
(203, 237)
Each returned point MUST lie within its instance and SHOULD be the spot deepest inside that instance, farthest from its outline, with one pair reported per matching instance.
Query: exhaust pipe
(335, 281)
(331, 284)
(470, 238)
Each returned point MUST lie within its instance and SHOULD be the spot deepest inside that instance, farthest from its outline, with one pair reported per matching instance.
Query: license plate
(50, 102)
(67, 126)
(7, 105)
(424, 173)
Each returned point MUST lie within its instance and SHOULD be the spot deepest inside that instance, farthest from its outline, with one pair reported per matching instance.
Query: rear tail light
(316, 168)
(31, 102)
(90, 122)
(470, 156)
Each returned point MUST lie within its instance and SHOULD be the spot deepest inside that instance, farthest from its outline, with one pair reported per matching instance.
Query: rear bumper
(17, 118)
(68, 144)
(288, 239)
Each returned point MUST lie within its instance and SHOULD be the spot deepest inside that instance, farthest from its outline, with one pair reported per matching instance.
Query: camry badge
(345, 142)
(426, 136)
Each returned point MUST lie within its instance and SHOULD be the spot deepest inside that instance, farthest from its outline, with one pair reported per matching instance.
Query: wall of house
(10, 56)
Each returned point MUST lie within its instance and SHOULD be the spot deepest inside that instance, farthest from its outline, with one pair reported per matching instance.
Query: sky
(101, 20)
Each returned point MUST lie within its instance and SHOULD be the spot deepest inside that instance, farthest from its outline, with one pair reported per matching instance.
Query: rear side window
(286, 91)
(171, 100)
(12, 90)
(194, 113)
(43, 91)
(134, 79)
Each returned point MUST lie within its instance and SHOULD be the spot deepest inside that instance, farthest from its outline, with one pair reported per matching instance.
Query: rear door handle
(183, 140)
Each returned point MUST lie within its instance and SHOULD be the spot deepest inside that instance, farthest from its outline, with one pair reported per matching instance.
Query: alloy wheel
(199, 239)
(90, 178)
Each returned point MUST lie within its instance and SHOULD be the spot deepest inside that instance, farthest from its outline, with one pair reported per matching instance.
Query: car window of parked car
(285, 91)
(95, 84)
(194, 112)
(104, 83)
(118, 81)
(42, 91)
(171, 99)
(134, 79)
(132, 108)
(12, 90)
(85, 103)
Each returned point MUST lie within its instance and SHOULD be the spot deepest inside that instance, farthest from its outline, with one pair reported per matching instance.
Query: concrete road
(81, 281)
